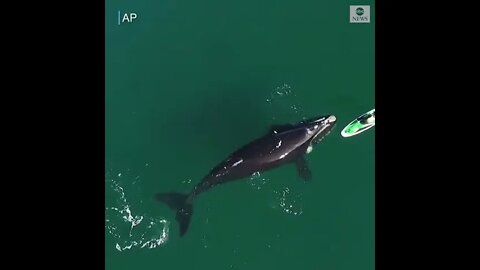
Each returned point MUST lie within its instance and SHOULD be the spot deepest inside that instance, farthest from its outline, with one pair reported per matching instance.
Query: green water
(190, 81)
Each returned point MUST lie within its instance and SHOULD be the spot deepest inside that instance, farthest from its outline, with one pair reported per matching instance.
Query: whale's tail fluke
(180, 203)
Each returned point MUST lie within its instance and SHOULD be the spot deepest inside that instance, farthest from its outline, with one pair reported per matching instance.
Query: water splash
(284, 108)
(283, 100)
(204, 241)
(188, 181)
(257, 181)
(122, 221)
(279, 91)
(158, 226)
(283, 198)
(289, 202)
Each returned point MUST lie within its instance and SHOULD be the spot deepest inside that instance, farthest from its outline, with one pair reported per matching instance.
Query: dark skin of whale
(286, 144)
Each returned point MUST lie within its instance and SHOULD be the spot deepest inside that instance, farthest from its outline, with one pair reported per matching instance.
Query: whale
(281, 145)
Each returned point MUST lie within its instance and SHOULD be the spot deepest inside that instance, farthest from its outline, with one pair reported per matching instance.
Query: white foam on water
(279, 91)
(130, 229)
(188, 181)
(284, 199)
(284, 104)
(289, 202)
(257, 181)
(284, 107)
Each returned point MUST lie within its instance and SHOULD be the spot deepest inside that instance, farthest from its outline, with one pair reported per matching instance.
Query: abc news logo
(359, 14)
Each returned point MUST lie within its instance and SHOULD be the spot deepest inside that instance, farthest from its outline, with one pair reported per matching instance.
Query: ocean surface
(187, 83)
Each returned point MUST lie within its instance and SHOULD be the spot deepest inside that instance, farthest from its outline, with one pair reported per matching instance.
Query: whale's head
(319, 127)
(300, 136)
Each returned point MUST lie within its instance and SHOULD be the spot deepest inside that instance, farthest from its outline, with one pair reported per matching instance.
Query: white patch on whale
(310, 131)
(238, 162)
(284, 155)
(279, 144)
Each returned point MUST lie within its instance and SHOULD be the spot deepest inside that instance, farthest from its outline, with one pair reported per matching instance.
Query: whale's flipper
(303, 169)
(181, 204)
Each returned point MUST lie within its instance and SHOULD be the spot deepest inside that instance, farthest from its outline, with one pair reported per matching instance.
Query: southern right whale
(285, 144)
